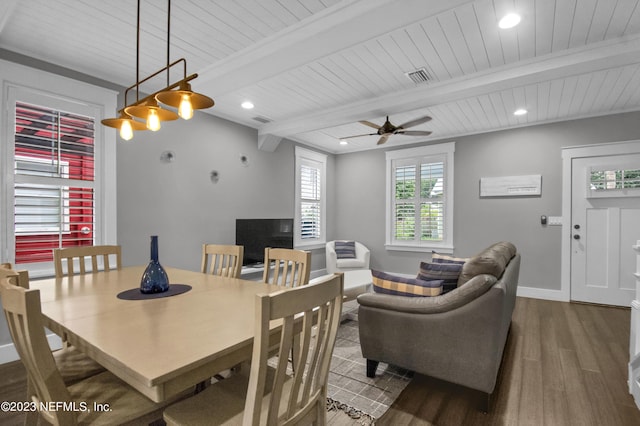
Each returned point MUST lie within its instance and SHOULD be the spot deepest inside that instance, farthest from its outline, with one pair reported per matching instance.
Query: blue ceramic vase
(154, 279)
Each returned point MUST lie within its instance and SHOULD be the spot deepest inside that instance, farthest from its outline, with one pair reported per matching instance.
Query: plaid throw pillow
(401, 286)
(345, 249)
(448, 272)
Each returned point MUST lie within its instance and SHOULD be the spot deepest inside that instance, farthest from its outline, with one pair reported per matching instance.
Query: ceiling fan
(388, 129)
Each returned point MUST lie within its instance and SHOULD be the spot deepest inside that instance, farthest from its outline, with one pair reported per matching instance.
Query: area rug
(349, 389)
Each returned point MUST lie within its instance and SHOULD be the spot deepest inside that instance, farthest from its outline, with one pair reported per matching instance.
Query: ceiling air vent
(262, 120)
(419, 76)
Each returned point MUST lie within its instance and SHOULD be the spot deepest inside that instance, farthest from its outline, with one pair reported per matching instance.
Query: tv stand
(252, 272)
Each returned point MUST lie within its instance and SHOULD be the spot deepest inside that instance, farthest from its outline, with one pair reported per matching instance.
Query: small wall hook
(167, 156)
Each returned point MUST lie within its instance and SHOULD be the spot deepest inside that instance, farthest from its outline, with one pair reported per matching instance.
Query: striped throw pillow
(345, 249)
(400, 286)
(447, 272)
(445, 258)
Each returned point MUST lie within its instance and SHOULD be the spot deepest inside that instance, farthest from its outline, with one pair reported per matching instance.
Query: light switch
(554, 220)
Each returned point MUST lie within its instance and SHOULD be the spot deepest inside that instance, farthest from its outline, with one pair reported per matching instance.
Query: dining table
(161, 346)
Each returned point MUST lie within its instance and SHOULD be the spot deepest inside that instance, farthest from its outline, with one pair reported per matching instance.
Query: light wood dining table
(163, 346)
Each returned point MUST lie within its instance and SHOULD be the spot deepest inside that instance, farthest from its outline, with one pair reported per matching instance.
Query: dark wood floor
(564, 364)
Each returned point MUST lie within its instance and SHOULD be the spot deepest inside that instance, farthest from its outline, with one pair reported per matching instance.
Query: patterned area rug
(349, 387)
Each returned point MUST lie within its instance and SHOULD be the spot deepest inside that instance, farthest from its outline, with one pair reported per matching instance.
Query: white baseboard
(8, 352)
(542, 293)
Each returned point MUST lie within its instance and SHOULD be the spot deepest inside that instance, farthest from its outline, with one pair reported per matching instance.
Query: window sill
(421, 249)
(311, 246)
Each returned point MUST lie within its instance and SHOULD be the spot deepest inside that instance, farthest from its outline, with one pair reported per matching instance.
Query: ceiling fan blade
(415, 122)
(383, 139)
(370, 124)
(357, 136)
(414, 132)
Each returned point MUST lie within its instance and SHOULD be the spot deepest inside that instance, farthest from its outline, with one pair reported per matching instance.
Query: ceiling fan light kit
(388, 129)
(148, 108)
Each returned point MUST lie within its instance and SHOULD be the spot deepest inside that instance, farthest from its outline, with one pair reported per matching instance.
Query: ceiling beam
(321, 35)
(590, 58)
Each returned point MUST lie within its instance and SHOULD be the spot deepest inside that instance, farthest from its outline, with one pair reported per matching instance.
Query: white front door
(605, 224)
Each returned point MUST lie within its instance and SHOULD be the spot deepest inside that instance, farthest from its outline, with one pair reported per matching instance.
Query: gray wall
(178, 201)
(360, 194)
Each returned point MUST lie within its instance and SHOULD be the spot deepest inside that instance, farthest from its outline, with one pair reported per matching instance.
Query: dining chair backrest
(291, 268)
(95, 253)
(24, 317)
(222, 260)
(20, 278)
(312, 312)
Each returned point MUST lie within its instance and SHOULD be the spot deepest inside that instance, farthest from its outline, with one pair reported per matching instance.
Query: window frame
(39, 87)
(306, 157)
(439, 152)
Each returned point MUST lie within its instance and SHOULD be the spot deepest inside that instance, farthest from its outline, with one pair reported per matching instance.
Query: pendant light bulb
(185, 110)
(153, 121)
(126, 131)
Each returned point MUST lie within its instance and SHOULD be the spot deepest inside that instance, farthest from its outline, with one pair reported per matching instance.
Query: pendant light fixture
(149, 108)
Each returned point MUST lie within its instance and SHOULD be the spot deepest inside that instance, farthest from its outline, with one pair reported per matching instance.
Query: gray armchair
(458, 336)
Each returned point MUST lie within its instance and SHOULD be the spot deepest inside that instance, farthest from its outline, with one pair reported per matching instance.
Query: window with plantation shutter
(53, 181)
(310, 198)
(58, 167)
(310, 225)
(420, 198)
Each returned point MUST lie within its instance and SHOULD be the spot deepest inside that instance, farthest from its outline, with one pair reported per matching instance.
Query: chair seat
(219, 404)
(351, 264)
(75, 366)
(125, 403)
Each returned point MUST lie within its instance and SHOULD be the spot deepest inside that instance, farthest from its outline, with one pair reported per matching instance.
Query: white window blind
(310, 199)
(54, 179)
(420, 198)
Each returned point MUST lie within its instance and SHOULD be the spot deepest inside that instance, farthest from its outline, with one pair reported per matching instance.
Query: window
(603, 180)
(310, 199)
(52, 147)
(420, 198)
(58, 188)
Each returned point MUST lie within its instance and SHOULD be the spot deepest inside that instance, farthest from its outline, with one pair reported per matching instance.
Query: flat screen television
(257, 234)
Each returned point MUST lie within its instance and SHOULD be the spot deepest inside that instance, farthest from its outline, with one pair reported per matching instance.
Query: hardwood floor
(564, 364)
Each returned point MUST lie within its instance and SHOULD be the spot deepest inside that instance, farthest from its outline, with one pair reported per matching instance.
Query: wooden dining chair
(22, 310)
(272, 395)
(95, 253)
(222, 260)
(291, 268)
(72, 364)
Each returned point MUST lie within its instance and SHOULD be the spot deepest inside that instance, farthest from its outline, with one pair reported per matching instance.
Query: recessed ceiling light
(520, 111)
(343, 142)
(509, 20)
(247, 105)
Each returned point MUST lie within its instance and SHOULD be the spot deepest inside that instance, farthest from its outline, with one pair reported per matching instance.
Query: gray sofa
(459, 336)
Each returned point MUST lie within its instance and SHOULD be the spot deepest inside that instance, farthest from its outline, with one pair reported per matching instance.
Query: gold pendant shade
(177, 95)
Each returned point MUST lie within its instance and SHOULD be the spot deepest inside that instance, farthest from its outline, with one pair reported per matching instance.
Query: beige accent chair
(24, 316)
(334, 264)
(291, 268)
(269, 395)
(80, 253)
(222, 260)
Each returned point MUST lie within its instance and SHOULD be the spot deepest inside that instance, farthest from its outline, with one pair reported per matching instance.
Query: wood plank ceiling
(314, 68)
